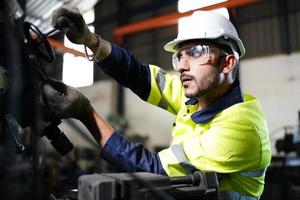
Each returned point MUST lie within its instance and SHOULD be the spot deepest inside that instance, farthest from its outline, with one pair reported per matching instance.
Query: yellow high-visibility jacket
(232, 140)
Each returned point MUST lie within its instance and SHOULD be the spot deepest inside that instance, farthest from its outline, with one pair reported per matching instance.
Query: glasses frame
(207, 52)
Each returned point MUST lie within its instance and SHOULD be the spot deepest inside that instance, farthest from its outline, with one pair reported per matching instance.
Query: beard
(204, 85)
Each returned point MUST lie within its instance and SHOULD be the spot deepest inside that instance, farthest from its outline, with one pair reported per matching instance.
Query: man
(217, 127)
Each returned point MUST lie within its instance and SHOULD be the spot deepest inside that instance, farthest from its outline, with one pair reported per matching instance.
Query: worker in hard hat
(217, 128)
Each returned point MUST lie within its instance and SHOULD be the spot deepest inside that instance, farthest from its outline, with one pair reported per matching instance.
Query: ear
(229, 63)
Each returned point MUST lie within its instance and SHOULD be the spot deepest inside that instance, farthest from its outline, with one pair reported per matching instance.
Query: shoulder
(247, 112)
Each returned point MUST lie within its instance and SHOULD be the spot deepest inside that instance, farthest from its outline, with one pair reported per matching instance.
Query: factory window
(187, 5)
(270, 27)
(78, 71)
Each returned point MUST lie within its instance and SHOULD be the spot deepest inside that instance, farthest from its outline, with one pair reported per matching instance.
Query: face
(199, 75)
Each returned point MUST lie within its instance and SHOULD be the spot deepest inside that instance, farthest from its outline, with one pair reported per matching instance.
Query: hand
(62, 101)
(70, 20)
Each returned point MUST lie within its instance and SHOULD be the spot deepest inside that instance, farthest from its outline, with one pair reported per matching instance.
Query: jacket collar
(234, 96)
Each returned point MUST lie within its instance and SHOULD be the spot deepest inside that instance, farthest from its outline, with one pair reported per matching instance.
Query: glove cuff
(95, 56)
(86, 112)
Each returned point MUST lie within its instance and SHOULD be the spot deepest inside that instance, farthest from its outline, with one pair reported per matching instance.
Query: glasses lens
(197, 51)
(175, 61)
(195, 55)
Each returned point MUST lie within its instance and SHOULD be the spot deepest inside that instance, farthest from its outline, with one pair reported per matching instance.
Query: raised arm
(114, 61)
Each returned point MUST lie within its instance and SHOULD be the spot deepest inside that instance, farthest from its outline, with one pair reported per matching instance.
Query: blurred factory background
(270, 30)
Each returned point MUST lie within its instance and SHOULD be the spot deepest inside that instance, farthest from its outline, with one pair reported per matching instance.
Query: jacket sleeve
(127, 70)
(166, 90)
(130, 157)
(149, 82)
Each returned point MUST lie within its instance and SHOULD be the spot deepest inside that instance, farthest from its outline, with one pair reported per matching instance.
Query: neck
(213, 95)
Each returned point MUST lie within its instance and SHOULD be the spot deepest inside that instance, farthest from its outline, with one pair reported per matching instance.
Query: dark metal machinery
(22, 165)
(38, 50)
(105, 186)
(141, 185)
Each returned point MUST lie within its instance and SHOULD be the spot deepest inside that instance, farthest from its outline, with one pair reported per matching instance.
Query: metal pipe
(170, 19)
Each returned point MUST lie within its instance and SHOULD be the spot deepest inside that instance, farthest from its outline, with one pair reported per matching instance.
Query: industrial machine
(23, 177)
(291, 139)
(38, 50)
(146, 186)
(282, 177)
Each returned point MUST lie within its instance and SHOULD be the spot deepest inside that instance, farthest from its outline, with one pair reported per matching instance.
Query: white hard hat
(209, 25)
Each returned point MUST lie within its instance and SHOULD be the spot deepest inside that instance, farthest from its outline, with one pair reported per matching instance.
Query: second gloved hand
(62, 101)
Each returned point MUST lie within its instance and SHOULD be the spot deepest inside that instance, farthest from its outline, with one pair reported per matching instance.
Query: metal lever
(13, 128)
(51, 32)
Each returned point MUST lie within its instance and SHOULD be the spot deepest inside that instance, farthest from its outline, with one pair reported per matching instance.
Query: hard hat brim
(172, 46)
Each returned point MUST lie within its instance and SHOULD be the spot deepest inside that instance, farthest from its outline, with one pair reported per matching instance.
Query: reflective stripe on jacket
(234, 141)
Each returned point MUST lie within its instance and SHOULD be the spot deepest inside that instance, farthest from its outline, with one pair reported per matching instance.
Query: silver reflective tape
(232, 195)
(177, 150)
(257, 173)
(160, 79)
(162, 103)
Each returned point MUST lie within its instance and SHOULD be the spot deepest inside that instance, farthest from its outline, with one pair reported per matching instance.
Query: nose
(183, 64)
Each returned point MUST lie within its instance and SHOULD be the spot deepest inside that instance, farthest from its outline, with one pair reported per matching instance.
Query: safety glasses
(195, 55)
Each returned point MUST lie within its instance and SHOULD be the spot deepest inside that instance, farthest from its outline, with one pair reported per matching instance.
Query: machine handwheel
(39, 41)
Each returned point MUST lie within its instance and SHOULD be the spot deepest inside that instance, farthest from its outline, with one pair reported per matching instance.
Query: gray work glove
(70, 20)
(62, 101)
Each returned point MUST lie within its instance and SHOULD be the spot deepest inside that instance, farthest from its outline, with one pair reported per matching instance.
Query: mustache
(186, 76)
